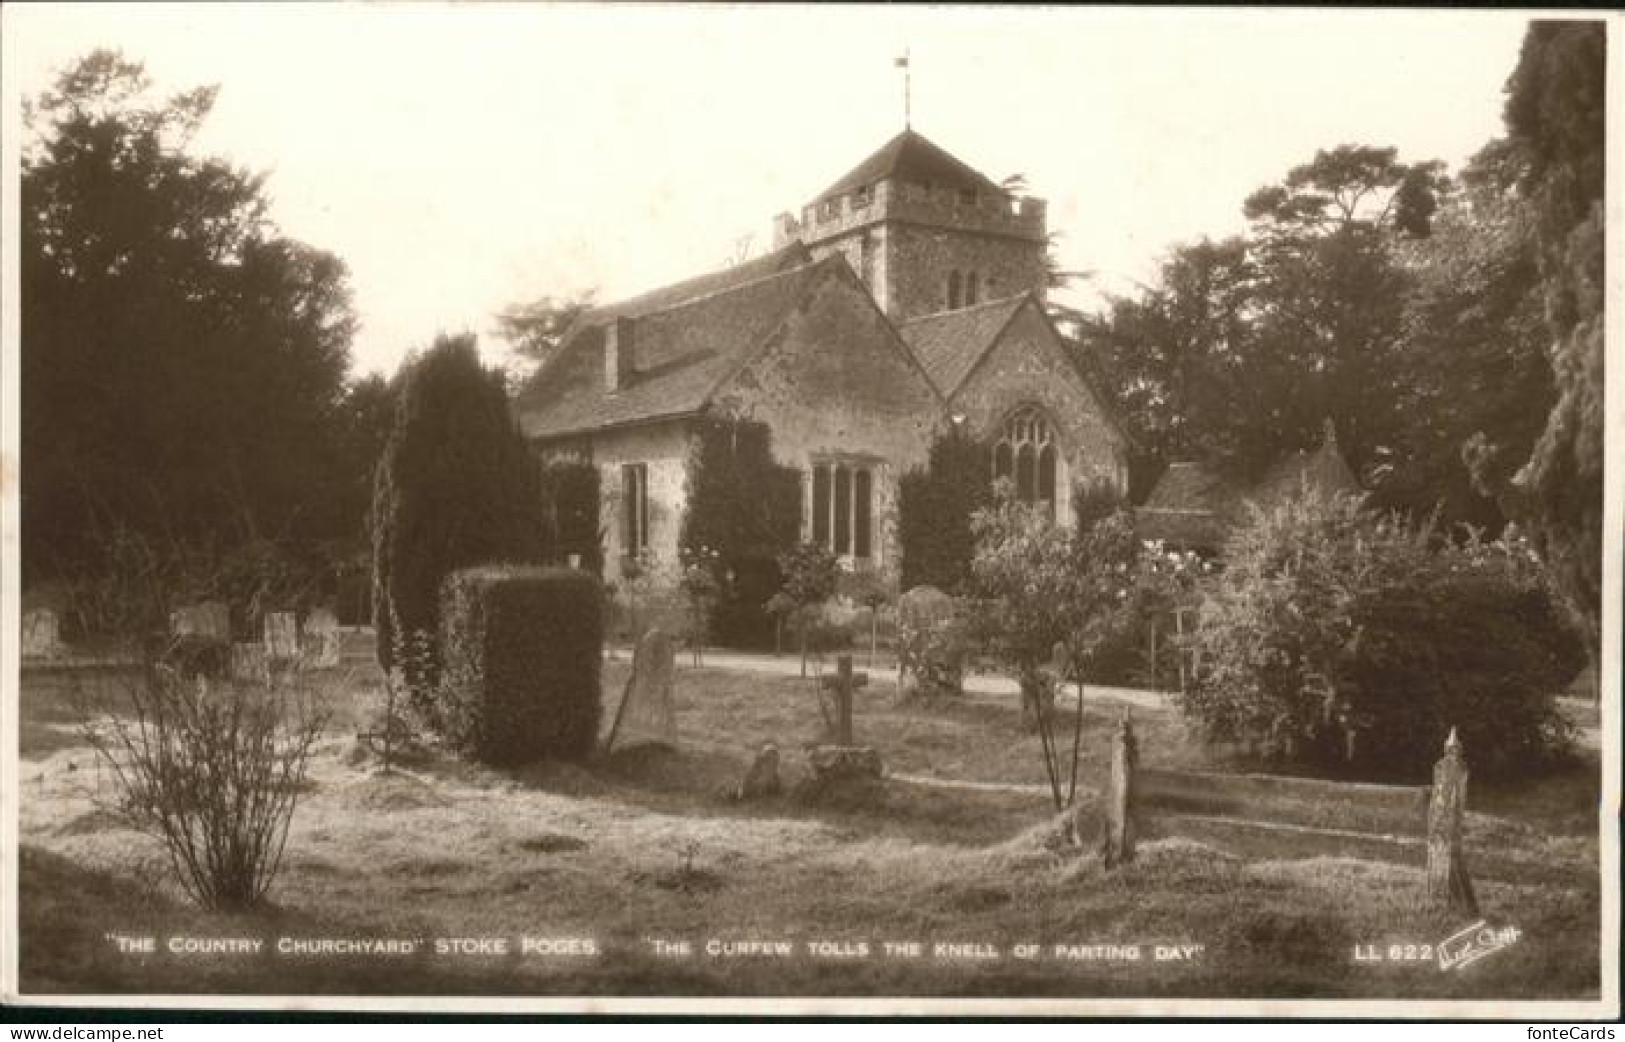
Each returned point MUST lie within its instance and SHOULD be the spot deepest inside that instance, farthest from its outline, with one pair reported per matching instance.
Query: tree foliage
(456, 487)
(182, 362)
(1352, 642)
(1555, 117)
(935, 506)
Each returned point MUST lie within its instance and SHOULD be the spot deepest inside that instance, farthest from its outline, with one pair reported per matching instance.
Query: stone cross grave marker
(42, 633)
(646, 715)
(844, 683)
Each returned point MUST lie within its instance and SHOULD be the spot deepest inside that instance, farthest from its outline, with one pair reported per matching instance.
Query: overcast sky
(460, 158)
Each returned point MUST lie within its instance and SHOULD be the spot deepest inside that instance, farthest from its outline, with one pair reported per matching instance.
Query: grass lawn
(646, 845)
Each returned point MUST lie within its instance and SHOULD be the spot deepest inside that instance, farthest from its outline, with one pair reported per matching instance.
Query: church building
(905, 299)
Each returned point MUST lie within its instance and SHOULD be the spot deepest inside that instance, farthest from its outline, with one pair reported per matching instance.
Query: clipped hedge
(934, 509)
(521, 653)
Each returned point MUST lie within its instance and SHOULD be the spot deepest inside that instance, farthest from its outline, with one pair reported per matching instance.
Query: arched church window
(1026, 454)
(953, 290)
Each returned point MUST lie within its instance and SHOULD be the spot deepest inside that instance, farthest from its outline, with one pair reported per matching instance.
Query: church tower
(924, 231)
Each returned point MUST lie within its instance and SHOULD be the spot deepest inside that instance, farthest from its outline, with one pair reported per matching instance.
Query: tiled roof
(680, 354)
(949, 343)
(793, 255)
(1194, 505)
(910, 157)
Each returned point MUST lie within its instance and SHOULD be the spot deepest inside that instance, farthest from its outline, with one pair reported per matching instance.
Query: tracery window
(1026, 454)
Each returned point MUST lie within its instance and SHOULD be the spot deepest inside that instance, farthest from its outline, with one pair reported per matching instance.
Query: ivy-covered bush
(521, 651)
(1353, 643)
(934, 509)
(745, 508)
(933, 642)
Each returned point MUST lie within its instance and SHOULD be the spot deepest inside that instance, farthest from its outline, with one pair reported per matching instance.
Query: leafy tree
(1472, 356)
(1047, 596)
(182, 363)
(535, 329)
(456, 487)
(810, 573)
(1555, 117)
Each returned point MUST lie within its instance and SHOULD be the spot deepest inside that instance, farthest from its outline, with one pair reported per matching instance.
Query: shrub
(1352, 643)
(934, 510)
(521, 648)
(746, 508)
(810, 574)
(456, 487)
(211, 768)
(213, 771)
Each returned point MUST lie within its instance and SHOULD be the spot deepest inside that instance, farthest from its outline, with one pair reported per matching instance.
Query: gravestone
(646, 715)
(323, 640)
(763, 776)
(1117, 825)
(844, 759)
(42, 633)
(1448, 885)
(922, 609)
(208, 619)
(844, 684)
(281, 640)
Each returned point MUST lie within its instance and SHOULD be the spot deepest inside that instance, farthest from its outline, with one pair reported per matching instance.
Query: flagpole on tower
(901, 62)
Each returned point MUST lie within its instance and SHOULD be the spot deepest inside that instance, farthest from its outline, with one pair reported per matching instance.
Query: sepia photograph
(722, 510)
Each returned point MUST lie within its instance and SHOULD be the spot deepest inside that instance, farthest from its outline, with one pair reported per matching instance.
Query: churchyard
(641, 871)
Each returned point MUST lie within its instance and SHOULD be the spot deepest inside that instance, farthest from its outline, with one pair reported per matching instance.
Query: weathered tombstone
(843, 762)
(324, 641)
(844, 683)
(919, 608)
(208, 619)
(281, 640)
(1449, 886)
(1117, 819)
(42, 633)
(647, 715)
(763, 777)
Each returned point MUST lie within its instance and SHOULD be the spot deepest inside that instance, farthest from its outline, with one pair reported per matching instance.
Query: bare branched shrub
(213, 770)
(210, 765)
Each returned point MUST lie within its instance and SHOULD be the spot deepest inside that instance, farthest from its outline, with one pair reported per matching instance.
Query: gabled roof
(680, 354)
(910, 157)
(1195, 505)
(950, 343)
(792, 255)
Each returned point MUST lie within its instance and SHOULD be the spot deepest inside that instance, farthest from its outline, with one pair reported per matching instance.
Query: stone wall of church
(1029, 367)
(838, 386)
(919, 260)
(664, 448)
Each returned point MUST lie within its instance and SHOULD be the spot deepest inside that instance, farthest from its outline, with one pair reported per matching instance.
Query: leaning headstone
(763, 777)
(42, 633)
(1117, 842)
(209, 619)
(323, 640)
(281, 640)
(646, 715)
(1449, 886)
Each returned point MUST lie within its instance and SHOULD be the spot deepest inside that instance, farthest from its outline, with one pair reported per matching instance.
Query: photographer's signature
(1467, 946)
